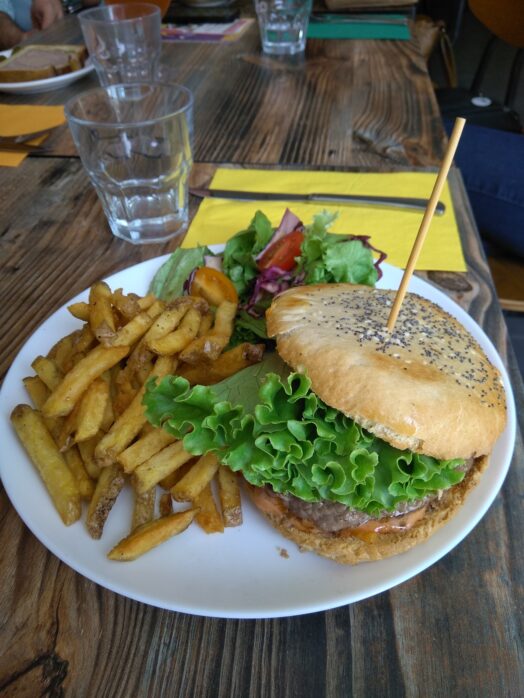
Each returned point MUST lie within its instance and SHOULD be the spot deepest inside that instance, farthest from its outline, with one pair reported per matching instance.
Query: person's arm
(10, 32)
(45, 12)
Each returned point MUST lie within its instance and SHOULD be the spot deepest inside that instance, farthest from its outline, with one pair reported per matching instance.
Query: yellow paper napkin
(17, 119)
(391, 230)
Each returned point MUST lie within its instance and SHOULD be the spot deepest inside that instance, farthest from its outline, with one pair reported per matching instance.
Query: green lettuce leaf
(239, 253)
(168, 282)
(328, 258)
(277, 432)
(249, 329)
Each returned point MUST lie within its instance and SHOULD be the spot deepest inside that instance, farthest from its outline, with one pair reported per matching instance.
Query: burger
(355, 442)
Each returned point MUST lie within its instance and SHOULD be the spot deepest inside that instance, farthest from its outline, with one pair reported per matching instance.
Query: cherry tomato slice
(213, 285)
(282, 253)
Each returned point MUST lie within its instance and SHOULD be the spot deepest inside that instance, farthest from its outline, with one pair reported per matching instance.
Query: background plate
(240, 574)
(46, 85)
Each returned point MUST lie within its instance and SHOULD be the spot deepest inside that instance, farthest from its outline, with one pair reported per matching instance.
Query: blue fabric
(19, 11)
(492, 164)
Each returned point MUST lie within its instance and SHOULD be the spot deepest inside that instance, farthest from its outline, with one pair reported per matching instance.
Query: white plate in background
(47, 84)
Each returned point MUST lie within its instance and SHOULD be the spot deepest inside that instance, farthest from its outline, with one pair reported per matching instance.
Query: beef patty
(335, 516)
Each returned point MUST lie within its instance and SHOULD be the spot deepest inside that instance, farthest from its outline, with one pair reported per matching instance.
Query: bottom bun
(348, 549)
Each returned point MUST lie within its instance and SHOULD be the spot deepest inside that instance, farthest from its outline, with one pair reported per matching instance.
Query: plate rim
(408, 572)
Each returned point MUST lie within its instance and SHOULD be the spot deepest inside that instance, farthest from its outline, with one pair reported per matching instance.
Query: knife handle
(389, 201)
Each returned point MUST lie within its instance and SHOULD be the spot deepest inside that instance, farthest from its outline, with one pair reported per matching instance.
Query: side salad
(261, 261)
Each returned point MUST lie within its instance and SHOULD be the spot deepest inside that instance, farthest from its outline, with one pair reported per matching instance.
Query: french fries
(92, 409)
(165, 504)
(229, 493)
(132, 332)
(159, 466)
(143, 449)
(225, 320)
(168, 320)
(169, 481)
(128, 306)
(130, 422)
(49, 462)
(87, 434)
(76, 465)
(79, 310)
(201, 474)
(87, 453)
(63, 350)
(37, 390)
(147, 301)
(208, 516)
(227, 364)
(143, 508)
(77, 380)
(176, 341)
(151, 534)
(205, 324)
(209, 346)
(48, 372)
(107, 490)
(101, 318)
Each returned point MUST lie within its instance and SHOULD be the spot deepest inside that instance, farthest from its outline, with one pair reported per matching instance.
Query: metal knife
(356, 199)
(22, 148)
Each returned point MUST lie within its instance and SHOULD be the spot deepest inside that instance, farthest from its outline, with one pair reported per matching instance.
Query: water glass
(123, 41)
(135, 142)
(283, 25)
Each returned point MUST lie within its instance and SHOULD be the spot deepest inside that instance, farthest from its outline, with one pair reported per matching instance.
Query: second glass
(135, 142)
(123, 41)
(283, 25)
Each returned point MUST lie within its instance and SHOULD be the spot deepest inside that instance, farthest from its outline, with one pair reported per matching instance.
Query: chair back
(504, 18)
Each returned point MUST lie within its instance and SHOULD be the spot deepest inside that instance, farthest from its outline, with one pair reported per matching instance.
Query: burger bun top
(427, 386)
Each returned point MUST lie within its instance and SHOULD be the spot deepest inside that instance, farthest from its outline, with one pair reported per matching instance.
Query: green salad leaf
(239, 261)
(277, 432)
(168, 282)
(329, 258)
(249, 329)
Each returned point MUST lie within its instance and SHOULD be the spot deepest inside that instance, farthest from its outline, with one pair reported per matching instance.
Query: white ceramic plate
(46, 85)
(240, 574)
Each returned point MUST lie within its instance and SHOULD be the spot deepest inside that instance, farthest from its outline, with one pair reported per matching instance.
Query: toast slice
(38, 62)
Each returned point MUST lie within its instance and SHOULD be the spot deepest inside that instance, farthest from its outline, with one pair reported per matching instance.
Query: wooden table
(455, 629)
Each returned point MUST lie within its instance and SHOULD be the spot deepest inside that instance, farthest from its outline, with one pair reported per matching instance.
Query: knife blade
(355, 199)
(22, 148)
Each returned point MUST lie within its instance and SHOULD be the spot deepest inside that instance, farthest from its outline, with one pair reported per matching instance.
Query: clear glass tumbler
(123, 41)
(283, 25)
(135, 142)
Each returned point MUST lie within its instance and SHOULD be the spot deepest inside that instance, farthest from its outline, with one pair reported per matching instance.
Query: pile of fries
(87, 433)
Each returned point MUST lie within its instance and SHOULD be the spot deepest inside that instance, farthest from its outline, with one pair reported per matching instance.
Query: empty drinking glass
(123, 41)
(135, 142)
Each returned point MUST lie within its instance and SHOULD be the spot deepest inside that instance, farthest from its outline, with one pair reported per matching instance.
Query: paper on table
(17, 119)
(391, 230)
(335, 26)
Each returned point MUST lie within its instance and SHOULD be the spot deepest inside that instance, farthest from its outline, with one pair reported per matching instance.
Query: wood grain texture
(454, 630)
(361, 103)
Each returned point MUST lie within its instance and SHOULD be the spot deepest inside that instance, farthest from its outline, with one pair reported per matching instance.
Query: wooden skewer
(426, 221)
